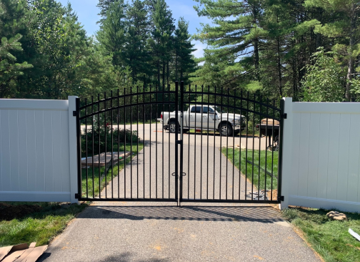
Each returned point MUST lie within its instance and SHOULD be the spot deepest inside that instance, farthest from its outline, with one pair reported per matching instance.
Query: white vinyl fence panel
(322, 155)
(35, 148)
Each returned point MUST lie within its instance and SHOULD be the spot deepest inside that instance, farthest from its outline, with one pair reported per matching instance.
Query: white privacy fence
(321, 149)
(38, 150)
(321, 153)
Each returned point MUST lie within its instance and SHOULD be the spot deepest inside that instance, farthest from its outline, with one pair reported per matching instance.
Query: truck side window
(195, 109)
(205, 110)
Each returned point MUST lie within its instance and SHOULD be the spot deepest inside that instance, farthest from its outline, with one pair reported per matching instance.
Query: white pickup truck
(203, 117)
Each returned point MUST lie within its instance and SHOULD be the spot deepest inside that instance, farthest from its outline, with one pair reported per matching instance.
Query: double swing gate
(179, 143)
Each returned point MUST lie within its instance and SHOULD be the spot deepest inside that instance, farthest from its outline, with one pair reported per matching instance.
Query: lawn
(330, 238)
(34, 222)
(259, 178)
(93, 184)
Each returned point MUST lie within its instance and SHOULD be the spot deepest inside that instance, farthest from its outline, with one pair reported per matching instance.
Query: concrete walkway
(153, 232)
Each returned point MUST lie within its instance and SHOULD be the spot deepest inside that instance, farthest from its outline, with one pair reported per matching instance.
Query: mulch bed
(9, 212)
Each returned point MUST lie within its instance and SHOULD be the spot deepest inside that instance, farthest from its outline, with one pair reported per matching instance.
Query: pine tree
(104, 6)
(137, 34)
(347, 26)
(14, 19)
(184, 63)
(240, 36)
(112, 32)
(161, 42)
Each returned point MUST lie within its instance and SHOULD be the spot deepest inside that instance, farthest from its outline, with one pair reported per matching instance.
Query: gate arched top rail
(109, 99)
(235, 96)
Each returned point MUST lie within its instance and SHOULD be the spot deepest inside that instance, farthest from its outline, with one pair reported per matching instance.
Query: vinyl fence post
(287, 148)
(73, 168)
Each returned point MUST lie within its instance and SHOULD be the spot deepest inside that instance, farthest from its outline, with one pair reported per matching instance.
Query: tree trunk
(256, 58)
(163, 80)
(176, 68)
(351, 58)
(256, 46)
(158, 73)
(168, 72)
(279, 67)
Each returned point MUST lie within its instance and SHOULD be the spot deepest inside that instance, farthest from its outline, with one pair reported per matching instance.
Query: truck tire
(225, 129)
(173, 126)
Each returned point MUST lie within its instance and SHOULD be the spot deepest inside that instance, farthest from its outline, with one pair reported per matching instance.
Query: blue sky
(88, 16)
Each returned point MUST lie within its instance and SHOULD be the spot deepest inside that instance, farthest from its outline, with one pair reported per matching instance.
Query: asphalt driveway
(163, 232)
(154, 231)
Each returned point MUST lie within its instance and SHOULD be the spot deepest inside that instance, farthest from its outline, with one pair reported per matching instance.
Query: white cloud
(199, 52)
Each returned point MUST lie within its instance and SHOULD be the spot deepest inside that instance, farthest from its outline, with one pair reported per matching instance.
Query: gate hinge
(282, 198)
(179, 142)
(75, 113)
(285, 116)
(76, 195)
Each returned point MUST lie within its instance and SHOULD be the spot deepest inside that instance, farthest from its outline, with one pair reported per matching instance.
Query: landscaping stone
(256, 195)
(336, 215)
(104, 159)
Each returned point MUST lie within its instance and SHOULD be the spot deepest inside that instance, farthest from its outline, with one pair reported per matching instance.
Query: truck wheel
(173, 126)
(225, 129)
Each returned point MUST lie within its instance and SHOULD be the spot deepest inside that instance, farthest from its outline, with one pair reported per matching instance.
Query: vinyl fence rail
(38, 150)
(321, 163)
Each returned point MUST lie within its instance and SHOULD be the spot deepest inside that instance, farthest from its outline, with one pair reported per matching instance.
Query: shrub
(119, 138)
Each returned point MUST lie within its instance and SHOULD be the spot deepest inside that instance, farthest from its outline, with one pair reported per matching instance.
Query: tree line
(305, 49)
(45, 52)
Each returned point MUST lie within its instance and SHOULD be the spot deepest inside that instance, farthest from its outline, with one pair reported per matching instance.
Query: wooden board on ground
(4, 251)
(32, 254)
(21, 253)
(105, 160)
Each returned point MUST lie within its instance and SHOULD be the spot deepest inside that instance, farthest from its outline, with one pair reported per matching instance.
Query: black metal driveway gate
(181, 144)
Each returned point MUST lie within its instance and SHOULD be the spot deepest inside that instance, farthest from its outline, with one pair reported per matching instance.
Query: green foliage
(344, 28)
(118, 137)
(184, 62)
(40, 227)
(325, 80)
(257, 176)
(330, 238)
(14, 19)
(96, 185)
(271, 42)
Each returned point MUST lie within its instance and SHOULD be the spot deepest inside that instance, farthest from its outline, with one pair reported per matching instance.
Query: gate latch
(75, 113)
(76, 195)
(183, 174)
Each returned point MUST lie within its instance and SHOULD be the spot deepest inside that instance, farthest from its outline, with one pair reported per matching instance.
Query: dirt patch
(9, 212)
(273, 193)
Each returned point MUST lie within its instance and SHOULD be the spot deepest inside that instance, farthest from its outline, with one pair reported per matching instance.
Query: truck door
(208, 118)
(195, 117)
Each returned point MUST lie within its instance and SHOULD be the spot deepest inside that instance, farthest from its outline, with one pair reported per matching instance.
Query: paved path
(152, 232)
(148, 231)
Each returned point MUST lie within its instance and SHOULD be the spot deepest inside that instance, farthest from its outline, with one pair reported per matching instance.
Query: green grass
(247, 168)
(40, 227)
(330, 238)
(114, 170)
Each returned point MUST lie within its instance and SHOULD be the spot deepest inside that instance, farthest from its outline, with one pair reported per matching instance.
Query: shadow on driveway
(261, 214)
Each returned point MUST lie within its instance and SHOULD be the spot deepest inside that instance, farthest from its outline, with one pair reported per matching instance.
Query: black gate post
(181, 137)
(176, 142)
(78, 142)
(280, 141)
